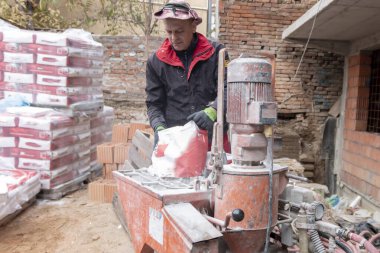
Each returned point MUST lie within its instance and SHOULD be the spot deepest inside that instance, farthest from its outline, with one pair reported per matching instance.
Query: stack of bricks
(112, 155)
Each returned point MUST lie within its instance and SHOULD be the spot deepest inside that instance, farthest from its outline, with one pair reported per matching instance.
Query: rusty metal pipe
(220, 223)
(214, 221)
(227, 220)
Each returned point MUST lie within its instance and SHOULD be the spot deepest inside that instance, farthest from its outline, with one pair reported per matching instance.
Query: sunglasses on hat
(178, 11)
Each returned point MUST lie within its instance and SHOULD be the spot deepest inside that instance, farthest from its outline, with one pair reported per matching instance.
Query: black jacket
(174, 92)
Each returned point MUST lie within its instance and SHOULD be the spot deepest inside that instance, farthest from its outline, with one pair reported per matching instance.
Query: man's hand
(159, 128)
(204, 119)
(156, 130)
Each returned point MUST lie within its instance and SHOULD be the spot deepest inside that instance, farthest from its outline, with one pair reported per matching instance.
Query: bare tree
(32, 14)
(116, 15)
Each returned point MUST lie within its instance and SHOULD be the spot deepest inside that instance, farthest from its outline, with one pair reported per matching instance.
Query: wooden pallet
(10, 217)
(95, 173)
(64, 189)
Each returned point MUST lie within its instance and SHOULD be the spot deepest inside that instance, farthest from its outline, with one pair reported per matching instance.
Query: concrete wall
(361, 150)
(251, 27)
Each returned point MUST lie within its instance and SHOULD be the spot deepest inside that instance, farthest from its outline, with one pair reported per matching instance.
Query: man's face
(180, 32)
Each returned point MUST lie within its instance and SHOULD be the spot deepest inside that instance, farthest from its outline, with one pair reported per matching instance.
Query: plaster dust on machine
(244, 206)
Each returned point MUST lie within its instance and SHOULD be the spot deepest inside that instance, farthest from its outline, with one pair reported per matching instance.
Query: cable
(308, 39)
(304, 52)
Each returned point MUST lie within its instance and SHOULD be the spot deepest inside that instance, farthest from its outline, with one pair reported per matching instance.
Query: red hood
(202, 52)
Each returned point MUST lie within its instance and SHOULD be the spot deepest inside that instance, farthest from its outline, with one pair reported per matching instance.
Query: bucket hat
(178, 9)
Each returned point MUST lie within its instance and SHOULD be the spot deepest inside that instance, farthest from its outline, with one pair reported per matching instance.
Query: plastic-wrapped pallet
(50, 142)
(16, 188)
(52, 69)
(101, 131)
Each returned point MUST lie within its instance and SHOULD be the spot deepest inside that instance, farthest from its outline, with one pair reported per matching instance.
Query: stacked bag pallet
(113, 155)
(18, 189)
(60, 76)
(60, 70)
(49, 142)
(101, 132)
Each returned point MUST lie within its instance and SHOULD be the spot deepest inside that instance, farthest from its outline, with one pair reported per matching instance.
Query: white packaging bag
(180, 152)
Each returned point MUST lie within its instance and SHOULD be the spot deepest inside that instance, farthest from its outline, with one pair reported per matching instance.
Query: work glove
(156, 130)
(204, 119)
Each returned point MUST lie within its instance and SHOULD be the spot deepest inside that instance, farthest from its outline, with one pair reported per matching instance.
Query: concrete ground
(72, 224)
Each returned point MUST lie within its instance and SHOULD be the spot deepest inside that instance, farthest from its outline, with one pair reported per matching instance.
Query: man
(182, 74)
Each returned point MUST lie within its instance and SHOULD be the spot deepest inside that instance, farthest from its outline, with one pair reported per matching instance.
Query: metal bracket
(219, 191)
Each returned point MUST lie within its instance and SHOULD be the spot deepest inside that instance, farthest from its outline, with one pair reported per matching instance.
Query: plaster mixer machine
(239, 207)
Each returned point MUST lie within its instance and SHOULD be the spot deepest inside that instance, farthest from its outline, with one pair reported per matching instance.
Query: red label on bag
(160, 150)
(192, 162)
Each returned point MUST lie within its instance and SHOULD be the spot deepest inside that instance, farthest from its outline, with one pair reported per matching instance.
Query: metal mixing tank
(244, 185)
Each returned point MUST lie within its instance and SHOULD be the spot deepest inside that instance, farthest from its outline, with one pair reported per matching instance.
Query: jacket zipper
(202, 53)
(186, 64)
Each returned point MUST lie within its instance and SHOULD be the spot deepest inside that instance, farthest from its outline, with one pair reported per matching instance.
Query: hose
(374, 238)
(357, 246)
(337, 250)
(352, 247)
(343, 246)
(365, 232)
(339, 243)
(318, 246)
(362, 241)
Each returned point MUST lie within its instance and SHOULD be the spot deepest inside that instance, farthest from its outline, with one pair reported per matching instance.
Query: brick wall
(361, 151)
(124, 75)
(251, 27)
(246, 27)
